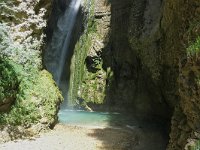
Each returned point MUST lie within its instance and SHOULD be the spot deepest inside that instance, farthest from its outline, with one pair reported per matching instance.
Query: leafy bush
(37, 98)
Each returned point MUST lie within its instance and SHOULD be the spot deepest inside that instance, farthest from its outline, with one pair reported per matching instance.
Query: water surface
(100, 119)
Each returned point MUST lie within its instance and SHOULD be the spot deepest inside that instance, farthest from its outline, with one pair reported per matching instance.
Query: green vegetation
(8, 82)
(196, 146)
(85, 84)
(82, 47)
(78, 65)
(93, 86)
(37, 98)
(194, 48)
(31, 93)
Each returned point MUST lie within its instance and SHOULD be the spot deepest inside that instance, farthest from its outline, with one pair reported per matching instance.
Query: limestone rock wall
(24, 22)
(89, 82)
(144, 53)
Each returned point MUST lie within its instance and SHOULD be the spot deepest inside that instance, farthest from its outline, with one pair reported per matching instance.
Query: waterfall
(69, 20)
(58, 49)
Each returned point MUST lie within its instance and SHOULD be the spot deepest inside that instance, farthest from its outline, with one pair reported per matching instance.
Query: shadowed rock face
(133, 53)
(152, 68)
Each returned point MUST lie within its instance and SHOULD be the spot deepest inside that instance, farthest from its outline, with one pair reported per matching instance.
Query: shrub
(8, 81)
(37, 98)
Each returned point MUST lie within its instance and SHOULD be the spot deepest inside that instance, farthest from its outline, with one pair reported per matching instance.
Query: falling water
(57, 51)
(61, 40)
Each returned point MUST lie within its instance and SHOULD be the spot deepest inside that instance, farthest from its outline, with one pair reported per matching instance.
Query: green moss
(84, 84)
(93, 87)
(78, 68)
(194, 48)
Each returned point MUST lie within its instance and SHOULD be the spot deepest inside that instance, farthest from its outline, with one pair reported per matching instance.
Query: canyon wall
(123, 60)
(139, 59)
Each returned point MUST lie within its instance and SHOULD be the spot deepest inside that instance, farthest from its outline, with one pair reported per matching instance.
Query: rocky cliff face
(134, 44)
(185, 121)
(143, 49)
(120, 59)
(25, 22)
